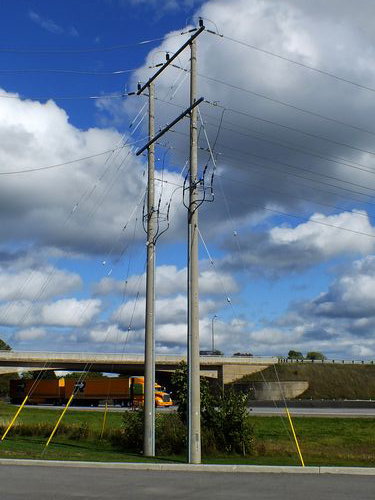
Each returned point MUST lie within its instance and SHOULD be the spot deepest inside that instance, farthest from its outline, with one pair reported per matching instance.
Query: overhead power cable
(289, 105)
(306, 219)
(289, 165)
(283, 103)
(277, 171)
(293, 61)
(63, 98)
(277, 124)
(288, 214)
(70, 162)
(91, 49)
(287, 127)
(69, 71)
(292, 147)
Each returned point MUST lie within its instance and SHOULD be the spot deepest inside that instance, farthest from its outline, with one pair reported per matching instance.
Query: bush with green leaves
(226, 423)
(130, 437)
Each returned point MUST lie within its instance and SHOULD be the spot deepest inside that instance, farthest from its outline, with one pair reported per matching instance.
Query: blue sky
(290, 230)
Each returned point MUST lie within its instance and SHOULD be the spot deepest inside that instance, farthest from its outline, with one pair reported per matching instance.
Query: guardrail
(327, 361)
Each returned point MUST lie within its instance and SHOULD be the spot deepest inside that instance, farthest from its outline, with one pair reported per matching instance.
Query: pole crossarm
(171, 58)
(169, 126)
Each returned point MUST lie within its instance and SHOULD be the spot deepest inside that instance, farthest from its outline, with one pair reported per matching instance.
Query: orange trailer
(127, 391)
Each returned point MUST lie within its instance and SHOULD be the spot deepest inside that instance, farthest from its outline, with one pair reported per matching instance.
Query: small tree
(39, 374)
(179, 381)
(295, 354)
(226, 423)
(315, 355)
(4, 346)
(247, 354)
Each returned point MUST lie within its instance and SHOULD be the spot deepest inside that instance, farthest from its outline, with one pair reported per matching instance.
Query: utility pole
(194, 410)
(149, 380)
(194, 433)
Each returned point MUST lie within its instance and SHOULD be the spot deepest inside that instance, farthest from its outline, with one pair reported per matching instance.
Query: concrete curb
(269, 469)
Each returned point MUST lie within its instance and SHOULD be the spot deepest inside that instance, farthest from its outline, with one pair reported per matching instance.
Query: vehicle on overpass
(127, 391)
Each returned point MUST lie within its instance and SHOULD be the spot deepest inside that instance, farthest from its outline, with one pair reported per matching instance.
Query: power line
(283, 103)
(300, 217)
(70, 71)
(288, 145)
(289, 165)
(281, 125)
(306, 186)
(277, 171)
(287, 127)
(90, 50)
(69, 162)
(298, 63)
(292, 106)
(63, 98)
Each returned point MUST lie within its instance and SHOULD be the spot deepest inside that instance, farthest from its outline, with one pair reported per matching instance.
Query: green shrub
(226, 423)
(170, 434)
(130, 437)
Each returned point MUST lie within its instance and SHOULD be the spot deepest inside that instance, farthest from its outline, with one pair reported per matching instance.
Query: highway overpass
(225, 368)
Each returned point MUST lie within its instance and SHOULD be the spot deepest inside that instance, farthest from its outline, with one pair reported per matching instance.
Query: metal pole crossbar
(169, 126)
(170, 59)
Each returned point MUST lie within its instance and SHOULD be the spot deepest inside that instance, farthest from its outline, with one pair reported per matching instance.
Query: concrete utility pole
(193, 314)
(149, 404)
(194, 410)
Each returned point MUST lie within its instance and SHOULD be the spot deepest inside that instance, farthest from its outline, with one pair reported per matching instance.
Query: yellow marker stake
(59, 420)
(15, 417)
(104, 419)
(295, 437)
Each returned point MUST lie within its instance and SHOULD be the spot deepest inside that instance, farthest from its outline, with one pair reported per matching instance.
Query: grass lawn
(326, 381)
(323, 441)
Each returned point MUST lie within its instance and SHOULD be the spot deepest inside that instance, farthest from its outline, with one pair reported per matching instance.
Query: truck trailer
(127, 391)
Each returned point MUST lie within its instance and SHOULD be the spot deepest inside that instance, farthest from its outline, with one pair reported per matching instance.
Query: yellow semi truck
(127, 391)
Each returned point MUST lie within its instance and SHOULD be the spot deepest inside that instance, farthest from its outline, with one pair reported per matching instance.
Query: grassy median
(323, 441)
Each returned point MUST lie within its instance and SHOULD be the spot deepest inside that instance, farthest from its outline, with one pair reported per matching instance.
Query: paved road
(316, 412)
(261, 411)
(46, 483)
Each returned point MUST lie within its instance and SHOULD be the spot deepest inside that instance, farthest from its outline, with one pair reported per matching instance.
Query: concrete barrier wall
(274, 391)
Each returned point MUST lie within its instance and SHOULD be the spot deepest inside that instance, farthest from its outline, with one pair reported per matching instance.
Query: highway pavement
(316, 412)
(58, 483)
(259, 411)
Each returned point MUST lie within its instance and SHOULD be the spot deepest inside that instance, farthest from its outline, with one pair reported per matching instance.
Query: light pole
(212, 333)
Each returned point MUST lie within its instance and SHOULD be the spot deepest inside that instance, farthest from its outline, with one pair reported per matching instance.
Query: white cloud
(41, 284)
(79, 207)
(30, 334)
(70, 312)
(63, 313)
(169, 281)
(111, 334)
(319, 234)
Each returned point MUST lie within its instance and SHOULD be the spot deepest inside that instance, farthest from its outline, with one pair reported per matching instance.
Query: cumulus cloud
(169, 310)
(38, 284)
(339, 322)
(169, 281)
(319, 235)
(284, 249)
(68, 207)
(351, 295)
(62, 313)
(30, 334)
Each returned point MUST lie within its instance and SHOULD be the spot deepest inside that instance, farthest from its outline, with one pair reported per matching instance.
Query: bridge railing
(327, 361)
